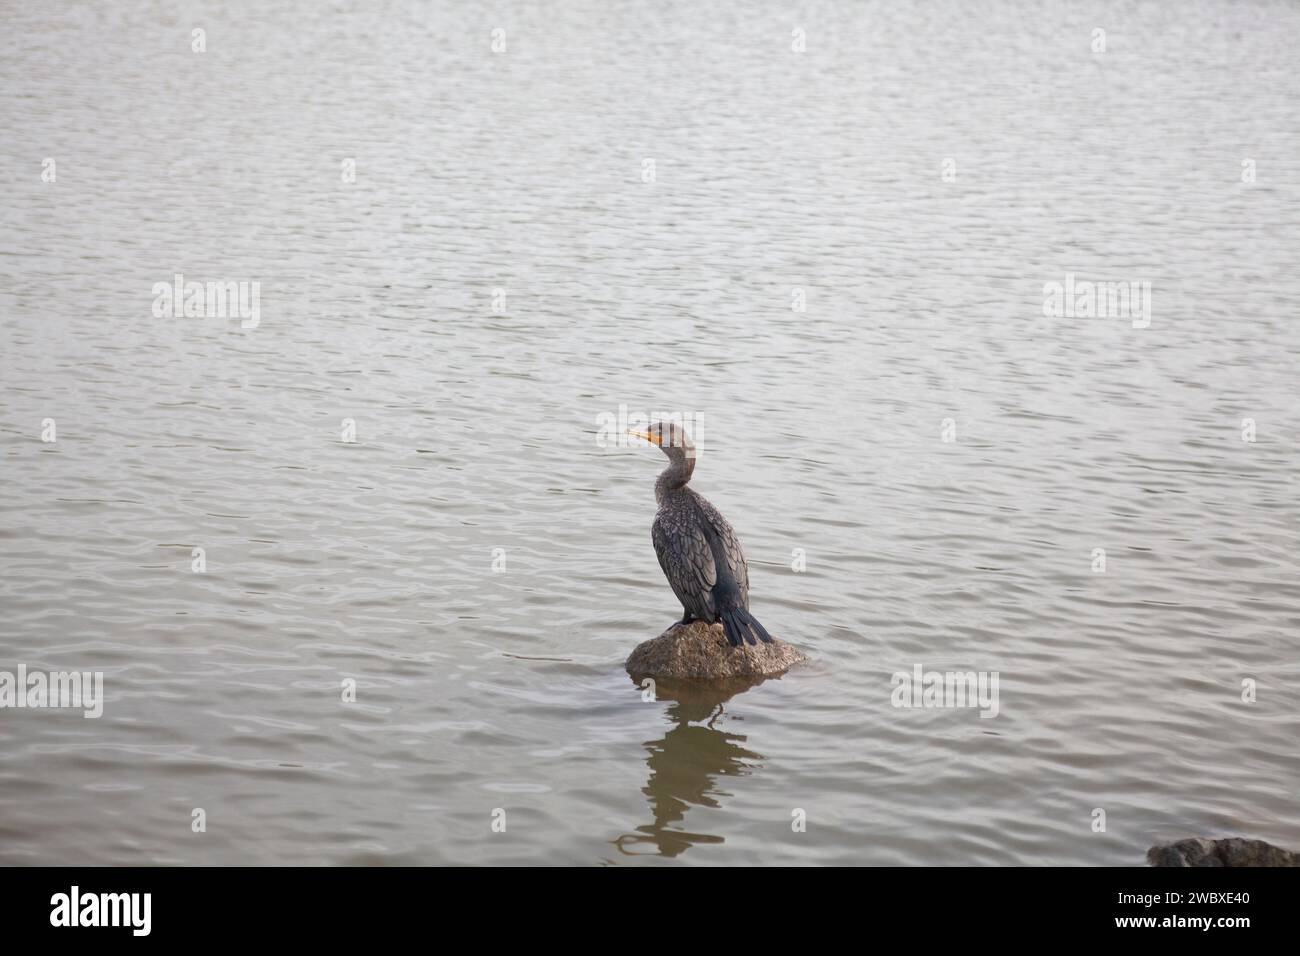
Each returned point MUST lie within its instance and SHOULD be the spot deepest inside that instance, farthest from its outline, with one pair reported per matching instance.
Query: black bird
(697, 548)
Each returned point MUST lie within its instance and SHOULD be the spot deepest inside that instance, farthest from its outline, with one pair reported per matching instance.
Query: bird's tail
(742, 626)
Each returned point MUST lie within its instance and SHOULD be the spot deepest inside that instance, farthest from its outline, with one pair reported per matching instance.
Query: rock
(700, 652)
(1234, 851)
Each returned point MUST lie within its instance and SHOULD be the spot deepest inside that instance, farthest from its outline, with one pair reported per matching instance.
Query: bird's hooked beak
(652, 439)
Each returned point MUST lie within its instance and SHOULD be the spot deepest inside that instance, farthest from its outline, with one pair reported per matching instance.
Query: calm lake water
(467, 255)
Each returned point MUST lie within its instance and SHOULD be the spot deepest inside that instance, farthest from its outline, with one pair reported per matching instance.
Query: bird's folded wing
(687, 560)
(730, 543)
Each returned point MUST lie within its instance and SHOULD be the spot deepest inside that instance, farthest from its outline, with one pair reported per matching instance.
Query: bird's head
(669, 436)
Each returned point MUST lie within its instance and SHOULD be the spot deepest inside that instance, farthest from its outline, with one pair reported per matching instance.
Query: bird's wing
(730, 545)
(687, 560)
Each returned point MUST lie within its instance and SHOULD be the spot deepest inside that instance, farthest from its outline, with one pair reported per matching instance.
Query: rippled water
(477, 424)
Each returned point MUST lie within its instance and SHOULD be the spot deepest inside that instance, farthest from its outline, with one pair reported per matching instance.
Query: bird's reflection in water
(685, 765)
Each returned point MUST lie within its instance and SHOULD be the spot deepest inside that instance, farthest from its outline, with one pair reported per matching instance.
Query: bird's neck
(675, 476)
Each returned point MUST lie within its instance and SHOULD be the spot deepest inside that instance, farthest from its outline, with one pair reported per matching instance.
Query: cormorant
(696, 547)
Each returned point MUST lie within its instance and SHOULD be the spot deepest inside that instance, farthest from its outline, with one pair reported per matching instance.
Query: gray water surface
(498, 277)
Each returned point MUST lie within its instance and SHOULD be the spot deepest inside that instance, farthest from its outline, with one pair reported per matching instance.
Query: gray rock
(700, 652)
(1233, 851)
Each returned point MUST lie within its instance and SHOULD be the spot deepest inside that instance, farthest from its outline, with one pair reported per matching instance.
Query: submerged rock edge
(1232, 851)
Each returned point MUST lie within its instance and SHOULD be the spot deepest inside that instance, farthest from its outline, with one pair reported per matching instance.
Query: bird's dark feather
(700, 554)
